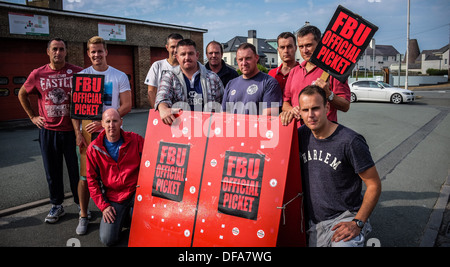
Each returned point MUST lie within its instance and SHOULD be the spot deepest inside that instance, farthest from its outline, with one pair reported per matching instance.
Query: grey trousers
(320, 234)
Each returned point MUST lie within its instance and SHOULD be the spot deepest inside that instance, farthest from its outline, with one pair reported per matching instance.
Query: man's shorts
(320, 234)
(82, 178)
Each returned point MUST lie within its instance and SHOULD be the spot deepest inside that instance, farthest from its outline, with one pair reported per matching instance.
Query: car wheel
(353, 97)
(396, 99)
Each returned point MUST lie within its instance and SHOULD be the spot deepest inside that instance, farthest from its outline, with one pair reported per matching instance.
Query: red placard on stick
(87, 97)
(344, 40)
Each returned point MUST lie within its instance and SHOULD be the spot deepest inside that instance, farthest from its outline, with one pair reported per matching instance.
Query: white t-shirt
(157, 70)
(116, 82)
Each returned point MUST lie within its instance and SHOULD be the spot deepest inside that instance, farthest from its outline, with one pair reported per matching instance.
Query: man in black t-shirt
(335, 161)
(214, 53)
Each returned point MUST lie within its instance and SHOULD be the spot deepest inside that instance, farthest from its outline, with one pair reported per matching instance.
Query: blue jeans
(56, 145)
(110, 232)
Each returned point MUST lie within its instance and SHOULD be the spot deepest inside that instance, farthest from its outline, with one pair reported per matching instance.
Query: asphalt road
(411, 148)
(22, 175)
(409, 143)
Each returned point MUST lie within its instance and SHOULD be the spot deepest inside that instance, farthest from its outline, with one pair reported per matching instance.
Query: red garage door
(19, 58)
(158, 53)
(121, 58)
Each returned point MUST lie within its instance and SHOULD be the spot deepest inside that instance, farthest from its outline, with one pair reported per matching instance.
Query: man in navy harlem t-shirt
(335, 161)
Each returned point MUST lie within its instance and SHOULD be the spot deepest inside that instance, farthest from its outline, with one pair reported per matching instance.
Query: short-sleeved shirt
(299, 78)
(52, 88)
(251, 96)
(157, 70)
(330, 170)
(280, 77)
(116, 82)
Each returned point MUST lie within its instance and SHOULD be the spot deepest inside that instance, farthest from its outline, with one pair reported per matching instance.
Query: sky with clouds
(224, 19)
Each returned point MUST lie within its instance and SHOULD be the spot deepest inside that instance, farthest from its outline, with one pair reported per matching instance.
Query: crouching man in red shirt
(113, 160)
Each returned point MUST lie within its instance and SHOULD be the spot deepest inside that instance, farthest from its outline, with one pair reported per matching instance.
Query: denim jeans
(110, 232)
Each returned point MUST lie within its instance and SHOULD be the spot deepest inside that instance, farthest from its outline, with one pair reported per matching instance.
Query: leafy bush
(436, 72)
(260, 67)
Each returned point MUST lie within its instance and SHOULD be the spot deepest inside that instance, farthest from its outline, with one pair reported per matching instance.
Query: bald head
(111, 122)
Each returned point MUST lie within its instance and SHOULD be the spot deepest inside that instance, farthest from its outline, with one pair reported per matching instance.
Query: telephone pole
(407, 45)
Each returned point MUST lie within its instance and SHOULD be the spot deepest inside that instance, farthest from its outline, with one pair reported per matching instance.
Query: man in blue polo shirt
(255, 92)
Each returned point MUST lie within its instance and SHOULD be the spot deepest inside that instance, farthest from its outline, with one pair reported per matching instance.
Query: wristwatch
(331, 97)
(359, 223)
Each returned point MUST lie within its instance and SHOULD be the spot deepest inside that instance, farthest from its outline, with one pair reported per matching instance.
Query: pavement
(437, 232)
(23, 225)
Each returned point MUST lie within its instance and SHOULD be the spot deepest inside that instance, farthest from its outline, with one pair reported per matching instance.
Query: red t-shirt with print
(52, 88)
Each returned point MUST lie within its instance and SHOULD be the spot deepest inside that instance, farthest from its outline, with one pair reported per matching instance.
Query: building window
(19, 79)
(4, 80)
(4, 92)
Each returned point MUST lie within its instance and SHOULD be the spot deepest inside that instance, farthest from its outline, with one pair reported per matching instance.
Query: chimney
(53, 4)
(414, 51)
(252, 39)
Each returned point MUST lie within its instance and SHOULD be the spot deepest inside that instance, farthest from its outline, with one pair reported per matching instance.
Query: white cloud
(225, 19)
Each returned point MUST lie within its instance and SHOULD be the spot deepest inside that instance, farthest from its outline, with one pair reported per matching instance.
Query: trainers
(55, 212)
(82, 226)
(88, 212)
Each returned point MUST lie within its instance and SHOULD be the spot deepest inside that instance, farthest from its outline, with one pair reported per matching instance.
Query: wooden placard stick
(325, 75)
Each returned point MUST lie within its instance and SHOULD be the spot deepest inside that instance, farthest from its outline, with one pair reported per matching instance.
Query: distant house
(268, 56)
(434, 59)
(385, 56)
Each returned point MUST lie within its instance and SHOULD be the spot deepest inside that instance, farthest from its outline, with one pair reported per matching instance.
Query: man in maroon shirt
(53, 84)
(286, 49)
(337, 93)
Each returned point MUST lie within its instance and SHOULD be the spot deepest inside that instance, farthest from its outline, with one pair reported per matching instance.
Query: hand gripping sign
(344, 40)
(219, 180)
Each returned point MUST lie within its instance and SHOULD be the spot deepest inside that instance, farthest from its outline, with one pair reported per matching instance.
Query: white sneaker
(82, 226)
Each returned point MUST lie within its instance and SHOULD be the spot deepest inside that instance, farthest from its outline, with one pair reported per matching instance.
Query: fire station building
(133, 45)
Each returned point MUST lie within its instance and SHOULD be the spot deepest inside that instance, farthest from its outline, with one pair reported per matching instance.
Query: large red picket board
(160, 221)
(233, 215)
(242, 186)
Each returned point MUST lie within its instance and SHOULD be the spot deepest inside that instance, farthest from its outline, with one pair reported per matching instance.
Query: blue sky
(224, 19)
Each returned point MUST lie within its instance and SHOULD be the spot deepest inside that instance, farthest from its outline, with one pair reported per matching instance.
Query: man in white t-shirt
(160, 67)
(117, 95)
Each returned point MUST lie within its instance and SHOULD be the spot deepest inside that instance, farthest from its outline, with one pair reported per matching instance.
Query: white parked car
(379, 91)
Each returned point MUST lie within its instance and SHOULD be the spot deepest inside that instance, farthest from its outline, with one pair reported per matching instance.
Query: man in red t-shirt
(286, 49)
(338, 93)
(52, 83)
